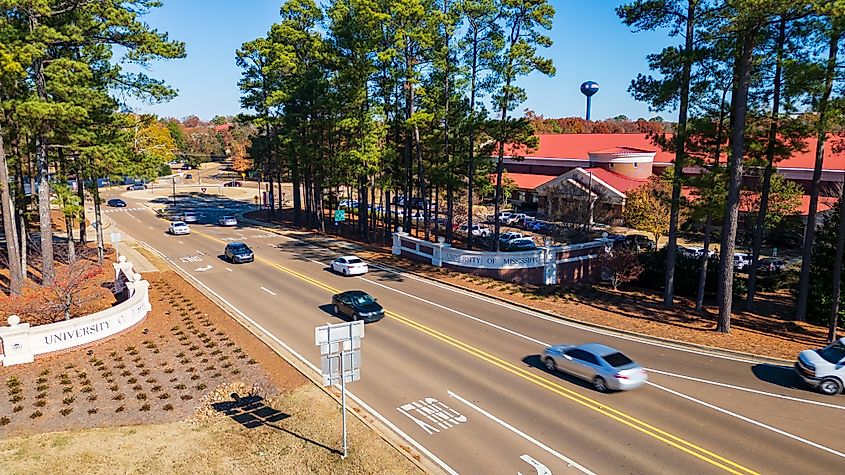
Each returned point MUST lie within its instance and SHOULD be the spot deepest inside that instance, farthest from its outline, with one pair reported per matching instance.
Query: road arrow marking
(203, 269)
(540, 468)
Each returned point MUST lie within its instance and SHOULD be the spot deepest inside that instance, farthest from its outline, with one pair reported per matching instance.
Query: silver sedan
(606, 368)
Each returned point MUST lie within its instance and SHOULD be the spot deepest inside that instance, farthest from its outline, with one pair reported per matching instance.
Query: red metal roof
(578, 147)
(525, 181)
(825, 203)
(621, 183)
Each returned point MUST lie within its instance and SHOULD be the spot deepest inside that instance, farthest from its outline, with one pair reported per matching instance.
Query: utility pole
(174, 190)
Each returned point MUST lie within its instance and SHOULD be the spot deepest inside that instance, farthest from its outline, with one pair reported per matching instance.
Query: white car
(477, 230)
(349, 265)
(741, 261)
(227, 221)
(179, 227)
(189, 217)
(823, 368)
(505, 216)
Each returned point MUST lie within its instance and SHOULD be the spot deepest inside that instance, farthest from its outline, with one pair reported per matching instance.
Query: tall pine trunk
(16, 273)
(739, 105)
(48, 271)
(821, 132)
(837, 271)
(680, 156)
(760, 221)
(80, 191)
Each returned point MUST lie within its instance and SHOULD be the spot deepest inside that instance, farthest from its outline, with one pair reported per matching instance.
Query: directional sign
(338, 332)
(116, 237)
(339, 215)
(331, 367)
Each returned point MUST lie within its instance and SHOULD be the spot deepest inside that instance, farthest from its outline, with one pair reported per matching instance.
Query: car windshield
(228, 218)
(617, 359)
(178, 223)
(833, 353)
(362, 299)
(354, 260)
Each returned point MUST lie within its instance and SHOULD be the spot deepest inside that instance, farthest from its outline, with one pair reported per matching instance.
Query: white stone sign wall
(22, 342)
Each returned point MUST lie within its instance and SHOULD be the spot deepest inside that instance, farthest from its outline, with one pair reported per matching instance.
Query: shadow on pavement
(783, 376)
(328, 309)
(535, 361)
(252, 412)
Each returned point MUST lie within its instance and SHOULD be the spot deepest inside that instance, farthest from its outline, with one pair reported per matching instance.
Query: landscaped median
(188, 390)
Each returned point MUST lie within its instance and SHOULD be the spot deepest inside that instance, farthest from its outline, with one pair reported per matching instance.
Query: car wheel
(335, 310)
(830, 386)
(355, 317)
(550, 364)
(600, 384)
(345, 271)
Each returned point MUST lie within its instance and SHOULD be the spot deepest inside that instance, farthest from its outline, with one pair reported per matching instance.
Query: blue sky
(590, 43)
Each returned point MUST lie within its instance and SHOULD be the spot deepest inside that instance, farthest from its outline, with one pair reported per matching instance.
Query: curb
(394, 440)
(643, 336)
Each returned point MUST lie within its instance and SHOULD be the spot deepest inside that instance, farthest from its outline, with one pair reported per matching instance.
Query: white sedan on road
(227, 221)
(179, 227)
(349, 265)
(189, 217)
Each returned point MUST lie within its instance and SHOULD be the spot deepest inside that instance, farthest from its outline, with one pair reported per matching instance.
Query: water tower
(588, 89)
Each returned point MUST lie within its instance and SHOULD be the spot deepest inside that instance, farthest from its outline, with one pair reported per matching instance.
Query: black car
(638, 242)
(238, 252)
(136, 186)
(357, 305)
(771, 265)
(116, 203)
(233, 183)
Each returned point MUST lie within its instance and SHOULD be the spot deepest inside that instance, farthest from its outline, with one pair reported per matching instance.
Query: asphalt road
(460, 377)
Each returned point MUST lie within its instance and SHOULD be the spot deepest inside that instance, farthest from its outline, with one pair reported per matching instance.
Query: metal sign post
(115, 239)
(340, 347)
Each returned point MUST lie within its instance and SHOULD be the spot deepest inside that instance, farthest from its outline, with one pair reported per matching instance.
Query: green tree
(523, 21)
(822, 290)
(647, 209)
(685, 18)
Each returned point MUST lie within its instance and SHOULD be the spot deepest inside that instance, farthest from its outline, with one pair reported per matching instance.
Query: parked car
(514, 218)
(638, 242)
(189, 217)
(189, 176)
(823, 368)
(186, 167)
(179, 227)
(606, 368)
(238, 252)
(233, 183)
(741, 261)
(504, 216)
(510, 236)
(357, 305)
(520, 244)
(116, 203)
(524, 221)
(477, 230)
(137, 186)
(771, 265)
(349, 265)
(348, 204)
(695, 252)
(227, 221)
(537, 225)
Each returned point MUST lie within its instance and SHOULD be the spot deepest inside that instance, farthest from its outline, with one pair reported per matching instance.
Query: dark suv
(238, 252)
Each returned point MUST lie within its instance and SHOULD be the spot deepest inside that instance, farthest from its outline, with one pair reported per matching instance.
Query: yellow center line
(619, 416)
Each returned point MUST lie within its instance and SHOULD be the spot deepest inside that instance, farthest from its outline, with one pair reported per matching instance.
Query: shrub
(118, 397)
(69, 400)
(4, 420)
(164, 396)
(141, 396)
(92, 398)
(66, 411)
(186, 397)
(120, 409)
(145, 407)
(40, 403)
(93, 410)
(168, 407)
(67, 389)
(86, 389)
(179, 386)
(36, 415)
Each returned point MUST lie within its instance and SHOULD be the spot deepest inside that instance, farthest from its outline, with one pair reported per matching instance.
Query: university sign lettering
(68, 336)
(489, 260)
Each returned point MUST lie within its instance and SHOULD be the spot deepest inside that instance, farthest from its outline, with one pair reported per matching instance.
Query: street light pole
(174, 190)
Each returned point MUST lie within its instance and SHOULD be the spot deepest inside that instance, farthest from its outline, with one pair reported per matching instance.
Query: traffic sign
(202, 189)
(339, 215)
(338, 332)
